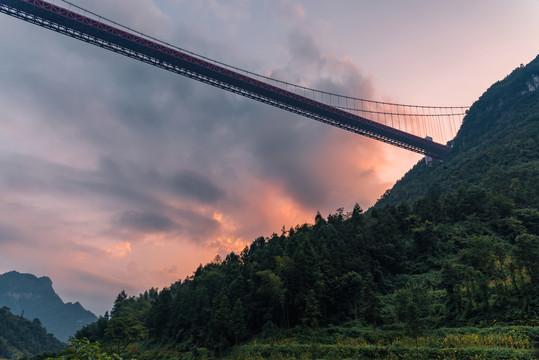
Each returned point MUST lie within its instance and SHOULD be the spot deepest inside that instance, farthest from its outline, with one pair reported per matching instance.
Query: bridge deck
(149, 51)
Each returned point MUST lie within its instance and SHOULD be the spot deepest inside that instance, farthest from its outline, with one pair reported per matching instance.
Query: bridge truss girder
(151, 52)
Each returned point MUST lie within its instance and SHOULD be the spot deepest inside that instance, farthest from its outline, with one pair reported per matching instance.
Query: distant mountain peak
(35, 298)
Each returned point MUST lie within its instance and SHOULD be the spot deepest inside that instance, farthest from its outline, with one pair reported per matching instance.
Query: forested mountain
(20, 336)
(33, 297)
(495, 149)
(455, 244)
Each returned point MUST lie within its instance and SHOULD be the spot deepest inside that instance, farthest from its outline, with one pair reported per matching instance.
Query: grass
(512, 342)
(357, 342)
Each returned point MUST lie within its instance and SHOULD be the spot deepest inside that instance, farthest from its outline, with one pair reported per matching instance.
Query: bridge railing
(441, 123)
(69, 19)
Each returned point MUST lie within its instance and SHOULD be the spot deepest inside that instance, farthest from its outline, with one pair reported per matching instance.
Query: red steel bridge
(422, 129)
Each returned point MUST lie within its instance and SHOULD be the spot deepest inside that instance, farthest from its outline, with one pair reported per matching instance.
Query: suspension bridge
(422, 129)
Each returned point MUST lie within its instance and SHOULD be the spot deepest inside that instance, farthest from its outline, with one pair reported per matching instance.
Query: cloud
(196, 186)
(120, 250)
(87, 281)
(145, 222)
(91, 279)
(9, 234)
(231, 11)
(132, 171)
(298, 154)
(86, 249)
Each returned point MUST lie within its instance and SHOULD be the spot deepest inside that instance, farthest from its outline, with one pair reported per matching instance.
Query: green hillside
(495, 149)
(446, 265)
(22, 337)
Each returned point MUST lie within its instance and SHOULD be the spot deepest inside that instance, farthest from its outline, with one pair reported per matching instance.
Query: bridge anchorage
(422, 129)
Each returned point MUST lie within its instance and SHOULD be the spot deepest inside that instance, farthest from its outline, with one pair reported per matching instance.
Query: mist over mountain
(33, 297)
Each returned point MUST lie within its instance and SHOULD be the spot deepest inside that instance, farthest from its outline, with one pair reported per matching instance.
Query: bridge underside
(154, 53)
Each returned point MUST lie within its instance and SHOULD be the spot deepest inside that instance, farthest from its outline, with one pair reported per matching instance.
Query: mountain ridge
(504, 117)
(34, 297)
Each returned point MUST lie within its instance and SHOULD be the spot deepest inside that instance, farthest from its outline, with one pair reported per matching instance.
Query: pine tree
(122, 296)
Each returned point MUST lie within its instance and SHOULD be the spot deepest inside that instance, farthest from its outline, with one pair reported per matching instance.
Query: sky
(115, 175)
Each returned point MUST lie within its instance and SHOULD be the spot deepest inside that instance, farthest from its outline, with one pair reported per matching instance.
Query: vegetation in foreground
(345, 342)
(22, 337)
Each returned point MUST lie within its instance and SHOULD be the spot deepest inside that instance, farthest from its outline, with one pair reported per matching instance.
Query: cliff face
(33, 297)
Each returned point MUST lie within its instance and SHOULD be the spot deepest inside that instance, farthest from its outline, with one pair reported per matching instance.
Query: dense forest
(495, 148)
(461, 259)
(21, 336)
(452, 246)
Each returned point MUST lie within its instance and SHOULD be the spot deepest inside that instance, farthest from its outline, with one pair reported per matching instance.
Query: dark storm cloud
(146, 222)
(280, 143)
(112, 150)
(121, 186)
(86, 249)
(273, 143)
(160, 135)
(284, 146)
(151, 113)
(335, 75)
(30, 174)
(196, 186)
(197, 226)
